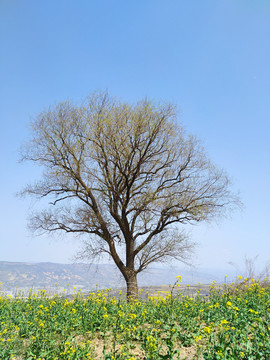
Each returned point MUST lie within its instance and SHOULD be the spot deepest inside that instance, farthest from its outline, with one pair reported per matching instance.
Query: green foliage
(226, 325)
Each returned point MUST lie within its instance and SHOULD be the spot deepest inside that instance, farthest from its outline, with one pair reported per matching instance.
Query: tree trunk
(132, 285)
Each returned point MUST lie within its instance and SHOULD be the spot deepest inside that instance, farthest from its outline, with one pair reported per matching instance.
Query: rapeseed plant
(227, 324)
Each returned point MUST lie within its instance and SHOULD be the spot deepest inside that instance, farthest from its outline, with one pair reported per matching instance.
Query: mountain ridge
(56, 277)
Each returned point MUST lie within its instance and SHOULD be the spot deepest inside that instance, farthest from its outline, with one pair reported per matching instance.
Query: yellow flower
(207, 330)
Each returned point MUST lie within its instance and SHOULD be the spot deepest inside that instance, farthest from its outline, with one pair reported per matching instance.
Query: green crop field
(230, 323)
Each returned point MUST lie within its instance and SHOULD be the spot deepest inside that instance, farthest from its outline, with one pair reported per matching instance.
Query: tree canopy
(125, 176)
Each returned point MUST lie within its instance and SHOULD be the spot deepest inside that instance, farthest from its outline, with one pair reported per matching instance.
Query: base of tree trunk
(132, 288)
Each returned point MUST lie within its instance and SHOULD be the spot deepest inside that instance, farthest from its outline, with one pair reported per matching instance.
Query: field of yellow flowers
(231, 323)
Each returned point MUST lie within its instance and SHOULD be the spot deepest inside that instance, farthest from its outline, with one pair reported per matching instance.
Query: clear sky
(211, 58)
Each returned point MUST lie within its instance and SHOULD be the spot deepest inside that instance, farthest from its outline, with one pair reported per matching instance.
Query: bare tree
(125, 176)
(251, 271)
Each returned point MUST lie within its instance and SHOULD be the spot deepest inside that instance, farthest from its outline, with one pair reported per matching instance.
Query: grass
(231, 323)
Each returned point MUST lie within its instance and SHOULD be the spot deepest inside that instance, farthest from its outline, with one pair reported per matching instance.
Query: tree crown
(124, 174)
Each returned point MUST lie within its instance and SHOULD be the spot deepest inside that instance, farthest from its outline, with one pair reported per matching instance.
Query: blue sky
(211, 58)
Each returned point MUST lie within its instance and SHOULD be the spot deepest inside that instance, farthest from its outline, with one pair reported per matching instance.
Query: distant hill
(16, 276)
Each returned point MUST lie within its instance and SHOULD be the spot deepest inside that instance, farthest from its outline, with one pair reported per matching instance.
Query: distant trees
(124, 176)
